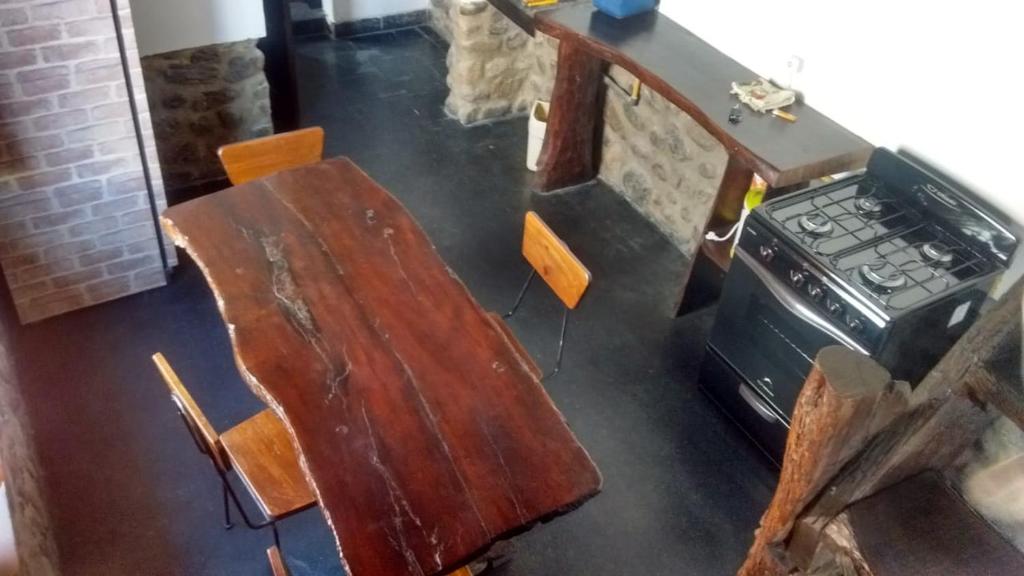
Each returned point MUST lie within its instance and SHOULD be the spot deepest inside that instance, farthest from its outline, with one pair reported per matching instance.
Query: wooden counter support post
(846, 399)
(567, 158)
(732, 192)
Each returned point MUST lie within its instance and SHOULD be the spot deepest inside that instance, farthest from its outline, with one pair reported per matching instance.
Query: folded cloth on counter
(763, 96)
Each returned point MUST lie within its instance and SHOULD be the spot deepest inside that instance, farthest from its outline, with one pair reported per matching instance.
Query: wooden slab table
(696, 78)
(419, 425)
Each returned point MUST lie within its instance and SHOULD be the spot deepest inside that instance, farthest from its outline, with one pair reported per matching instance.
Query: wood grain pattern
(277, 565)
(696, 77)
(944, 417)
(905, 435)
(423, 432)
(261, 452)
(252, 159)
(194, 413)
(846, 399)
(532, 366)
(567, 157)
(554, 261)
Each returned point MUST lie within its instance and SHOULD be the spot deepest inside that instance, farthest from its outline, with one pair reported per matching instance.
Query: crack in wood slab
(290, 301)
(443, 441)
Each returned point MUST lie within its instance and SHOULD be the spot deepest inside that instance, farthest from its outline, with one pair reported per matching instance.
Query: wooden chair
(865, 482)
(254, 159)
(277, 565)
(563, 272)
(259, 450)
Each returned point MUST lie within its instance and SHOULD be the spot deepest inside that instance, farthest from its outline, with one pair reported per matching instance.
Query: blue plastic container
(625, 8)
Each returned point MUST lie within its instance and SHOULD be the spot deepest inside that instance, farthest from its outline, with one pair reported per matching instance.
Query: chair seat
(921, 527)
(261, 452)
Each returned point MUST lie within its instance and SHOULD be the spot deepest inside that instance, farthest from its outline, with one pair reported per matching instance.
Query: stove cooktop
(896, 234)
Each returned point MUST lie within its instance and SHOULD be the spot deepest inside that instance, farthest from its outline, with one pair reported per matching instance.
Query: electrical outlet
(794, 67)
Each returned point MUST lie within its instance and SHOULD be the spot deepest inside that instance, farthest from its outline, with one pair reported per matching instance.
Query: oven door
(766, 332)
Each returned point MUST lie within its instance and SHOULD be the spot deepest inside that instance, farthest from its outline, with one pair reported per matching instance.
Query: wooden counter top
(697, 78)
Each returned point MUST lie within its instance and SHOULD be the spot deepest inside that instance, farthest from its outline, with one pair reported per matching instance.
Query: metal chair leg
(228, 524)
(561, 346)
(522, 294)
(277, 537)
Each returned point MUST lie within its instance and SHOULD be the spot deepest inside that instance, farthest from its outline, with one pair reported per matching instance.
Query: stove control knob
(835, 309)
(816, 292)
(768, 252)
(855, 325)
(797, 278)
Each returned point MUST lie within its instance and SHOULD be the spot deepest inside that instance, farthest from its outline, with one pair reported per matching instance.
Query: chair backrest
(253, 159)
(554, 261)
(206, 438)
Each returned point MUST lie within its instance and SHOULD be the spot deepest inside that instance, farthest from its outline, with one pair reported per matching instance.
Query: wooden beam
(946, 415)
(279, 48)
(847, 397)
(731, 192)
(567, 158)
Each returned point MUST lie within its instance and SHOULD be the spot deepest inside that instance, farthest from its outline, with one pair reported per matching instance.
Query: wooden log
(945, 417)
(567, 158)
(423, 432)
(1000, 383)
(847, 397)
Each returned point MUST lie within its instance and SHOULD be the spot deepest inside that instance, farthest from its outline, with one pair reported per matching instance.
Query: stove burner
(937, 253)
(868, 206)
(816, 224)
(883, 276)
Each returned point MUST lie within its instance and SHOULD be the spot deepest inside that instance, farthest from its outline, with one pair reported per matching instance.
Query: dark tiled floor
(683, 489)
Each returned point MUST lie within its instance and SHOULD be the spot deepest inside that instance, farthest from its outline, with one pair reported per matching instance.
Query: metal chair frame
(565, 322)
(226, 489)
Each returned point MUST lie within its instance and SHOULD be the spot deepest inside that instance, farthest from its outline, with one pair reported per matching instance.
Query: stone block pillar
(202, 98)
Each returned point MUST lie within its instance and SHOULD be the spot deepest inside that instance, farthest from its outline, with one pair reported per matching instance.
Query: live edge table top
(423, 433)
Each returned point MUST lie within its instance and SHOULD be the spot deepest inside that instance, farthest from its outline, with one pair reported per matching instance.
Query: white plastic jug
(535, 138)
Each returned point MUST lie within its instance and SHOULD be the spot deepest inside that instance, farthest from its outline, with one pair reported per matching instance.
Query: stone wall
(75, 217)
(440, 19)
(495, 69)
(202, 98)
(662, 161)
(654, 154)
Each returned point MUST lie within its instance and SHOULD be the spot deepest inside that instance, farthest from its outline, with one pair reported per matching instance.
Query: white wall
(938, 78)
(167, 25)
(348, 10)
(929, 76)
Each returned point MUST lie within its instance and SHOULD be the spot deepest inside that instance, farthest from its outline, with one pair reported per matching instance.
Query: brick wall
(75, 217)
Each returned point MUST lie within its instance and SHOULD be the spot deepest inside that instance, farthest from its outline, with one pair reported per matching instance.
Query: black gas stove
(894, 263)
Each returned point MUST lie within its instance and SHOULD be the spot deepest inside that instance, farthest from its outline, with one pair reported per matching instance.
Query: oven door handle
(763, 411)
(799, 309)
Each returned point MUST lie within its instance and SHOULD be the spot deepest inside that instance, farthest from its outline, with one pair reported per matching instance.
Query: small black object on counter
(736, 114)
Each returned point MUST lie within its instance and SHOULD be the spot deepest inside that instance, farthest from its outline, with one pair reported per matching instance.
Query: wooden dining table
(418, 419)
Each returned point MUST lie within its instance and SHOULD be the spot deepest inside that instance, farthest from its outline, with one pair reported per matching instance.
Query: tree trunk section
(846, 398)
(567, 158)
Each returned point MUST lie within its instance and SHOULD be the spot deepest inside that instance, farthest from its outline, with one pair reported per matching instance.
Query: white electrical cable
(736, 230)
